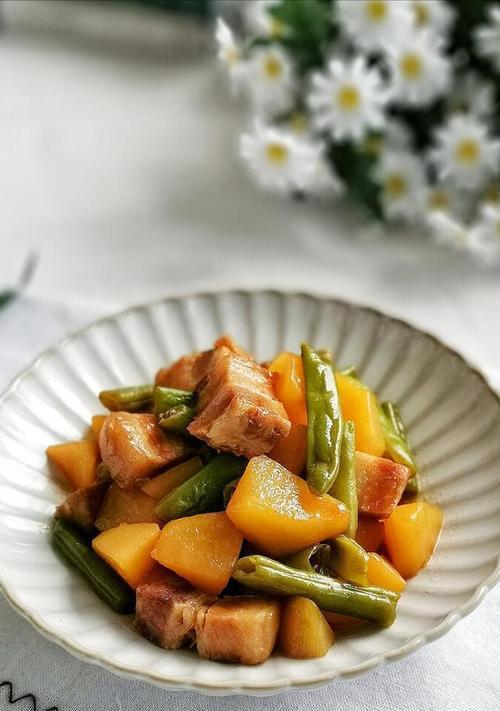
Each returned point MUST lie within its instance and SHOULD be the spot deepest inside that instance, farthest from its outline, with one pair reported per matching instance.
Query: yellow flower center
(439, 200)
(348, 97)
(411, 65)
(276, 153)
(376, 10)
(421, 13)
(273, 68)
(467, 151)
(395, 186)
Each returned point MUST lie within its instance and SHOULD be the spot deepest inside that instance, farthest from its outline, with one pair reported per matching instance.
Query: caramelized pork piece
(381, 483)
(167, 608)
(237, 409)
(230, 343)
(82, 506)
(134, 446)
(238, 629)
(186, 373)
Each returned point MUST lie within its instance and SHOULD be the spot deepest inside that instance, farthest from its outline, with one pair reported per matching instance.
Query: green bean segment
(265, 575)
(177, 418)
(396, 437)
(72, 545)
(324, 429)
(131, 399)
(203, 491)
(349, 560)
(345, 486)
(167, 398)
(314, 559)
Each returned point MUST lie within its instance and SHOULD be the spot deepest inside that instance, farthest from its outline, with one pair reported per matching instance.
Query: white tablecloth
(122, 171)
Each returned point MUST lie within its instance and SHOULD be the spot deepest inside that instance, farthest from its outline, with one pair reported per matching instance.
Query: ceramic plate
(453, 420)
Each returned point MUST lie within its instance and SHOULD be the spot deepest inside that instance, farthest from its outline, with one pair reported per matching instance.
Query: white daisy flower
(348, 99)
(419, 69)
(465, 153)
(372, 23)
(270, 79)
(485, 235)
(472, 94)
(434, 15)
(260, 21)
(280, 161)
(325, 184)
(229, 52)
(402, 179)
(448, 231)
(488, 37)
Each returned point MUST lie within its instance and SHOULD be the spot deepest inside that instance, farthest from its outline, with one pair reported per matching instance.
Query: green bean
(349, 560)
(265, 575)
(324, 429)
(167, 398)
(412, 487)
(203, 491)
(177, 418)
(345, 486)
(396, 440)
(72, 545)
(314, 559)
(131, 399)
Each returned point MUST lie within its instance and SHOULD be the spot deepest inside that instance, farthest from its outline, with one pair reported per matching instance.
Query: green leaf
(308, 30)
(355, 167)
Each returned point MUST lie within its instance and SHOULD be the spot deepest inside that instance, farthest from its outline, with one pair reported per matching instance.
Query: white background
(120, 167)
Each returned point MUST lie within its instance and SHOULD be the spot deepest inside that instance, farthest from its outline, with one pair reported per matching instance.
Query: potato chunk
(304, 632)
(278, 512)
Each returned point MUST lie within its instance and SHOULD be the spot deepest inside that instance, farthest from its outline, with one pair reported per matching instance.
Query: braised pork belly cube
(238, 629)
(134, 446)
(237, 409)
(381, 483)
(188, 372)
(167, 608)
(82, 506)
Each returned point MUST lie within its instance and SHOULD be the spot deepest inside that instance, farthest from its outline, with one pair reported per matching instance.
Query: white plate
(453, 420)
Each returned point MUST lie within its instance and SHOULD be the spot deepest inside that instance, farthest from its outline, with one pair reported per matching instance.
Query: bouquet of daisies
(394, 102)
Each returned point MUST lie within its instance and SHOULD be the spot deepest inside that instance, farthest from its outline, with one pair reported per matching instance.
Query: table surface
(123, 172)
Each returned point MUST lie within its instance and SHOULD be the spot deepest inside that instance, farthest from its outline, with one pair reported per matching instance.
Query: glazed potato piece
(134, 446)
(304, 632)
(237, 409)
(81, 506)
(381, 483)
(278, 513)
(167, 608)
(238, 629)
(127, 549)
(202, 548)
(76, 461)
